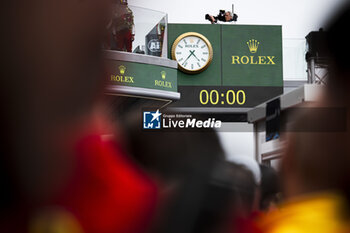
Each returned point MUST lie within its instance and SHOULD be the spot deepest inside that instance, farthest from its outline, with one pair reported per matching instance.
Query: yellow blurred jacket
(320, 213)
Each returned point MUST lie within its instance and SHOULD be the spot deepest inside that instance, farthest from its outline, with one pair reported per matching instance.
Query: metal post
(312, 72)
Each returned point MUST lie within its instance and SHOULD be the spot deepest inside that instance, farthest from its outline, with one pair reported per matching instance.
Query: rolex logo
(253, 45)
(122, 69)
(163, 74)
(121, 78)
(163, 83)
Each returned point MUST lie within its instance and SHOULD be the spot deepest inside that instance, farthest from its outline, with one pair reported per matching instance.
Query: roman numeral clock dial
(193, 52)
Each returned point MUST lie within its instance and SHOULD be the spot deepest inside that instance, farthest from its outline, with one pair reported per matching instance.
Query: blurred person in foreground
(316, 162)
(200, 191)
(244, 207)
(182, 164)
(247, 179)
(229, 201)
(269, 189)
(57, 173)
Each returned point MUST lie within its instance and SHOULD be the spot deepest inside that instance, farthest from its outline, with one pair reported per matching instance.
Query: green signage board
(133, 74)
(246, 69)
(252, 55)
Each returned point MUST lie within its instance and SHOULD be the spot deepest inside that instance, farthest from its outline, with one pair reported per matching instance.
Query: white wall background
(297, 17)
(237, 139)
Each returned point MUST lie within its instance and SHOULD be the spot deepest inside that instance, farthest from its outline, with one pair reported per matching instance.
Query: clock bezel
(195, 34)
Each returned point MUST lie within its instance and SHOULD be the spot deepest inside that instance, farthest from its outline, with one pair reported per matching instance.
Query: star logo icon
(156, 116)
(151, 120)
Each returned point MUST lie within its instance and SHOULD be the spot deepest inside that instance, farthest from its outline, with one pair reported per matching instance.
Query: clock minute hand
(187, 57)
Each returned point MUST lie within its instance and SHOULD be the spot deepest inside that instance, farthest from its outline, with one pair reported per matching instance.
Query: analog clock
(193, 52)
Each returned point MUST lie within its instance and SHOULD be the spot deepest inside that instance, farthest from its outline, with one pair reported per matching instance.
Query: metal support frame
(315, 66)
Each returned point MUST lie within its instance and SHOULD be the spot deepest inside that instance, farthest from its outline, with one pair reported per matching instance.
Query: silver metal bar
(142, 92)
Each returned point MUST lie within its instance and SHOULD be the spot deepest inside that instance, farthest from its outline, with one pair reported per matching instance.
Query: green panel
(141, 75)
(211, 76)
(264, 67)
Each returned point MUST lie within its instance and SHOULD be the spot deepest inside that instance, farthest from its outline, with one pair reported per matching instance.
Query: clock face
(193, 52)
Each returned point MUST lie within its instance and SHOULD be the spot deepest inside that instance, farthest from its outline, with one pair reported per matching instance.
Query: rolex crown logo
(163, 73)
(253, 45)
(122, 69)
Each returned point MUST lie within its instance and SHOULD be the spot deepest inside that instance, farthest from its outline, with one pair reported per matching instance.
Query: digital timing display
(228, 96)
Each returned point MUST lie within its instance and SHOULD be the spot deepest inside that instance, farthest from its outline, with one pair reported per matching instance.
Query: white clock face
(193, 53)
